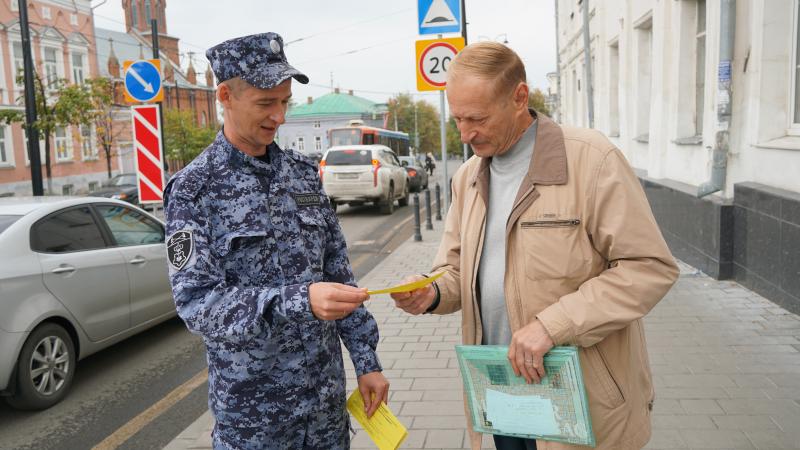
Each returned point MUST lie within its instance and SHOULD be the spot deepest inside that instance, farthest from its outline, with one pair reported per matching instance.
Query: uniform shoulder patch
(179, 248)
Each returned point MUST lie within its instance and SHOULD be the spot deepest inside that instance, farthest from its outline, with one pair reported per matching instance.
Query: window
(613, 90)
(77, 68)
(203, 119)
(6, 154)
(25, 144)
(796, 70)
(50, 66)
(93, 185)
(318, 143)
(68, 231)
(6, 221)
(46, 12)
(73, 19)
(147, 16)
(63, 149)
(67, 189)
(316, 124)
(88, 148)
(700, 67)
(134, 14)
(14, 5)
(19, 63)
(644, 50)
(130, 227)
(301, 145)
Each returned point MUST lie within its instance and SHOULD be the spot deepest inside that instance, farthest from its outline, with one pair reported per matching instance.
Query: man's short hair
(236, 85)
(491, 61)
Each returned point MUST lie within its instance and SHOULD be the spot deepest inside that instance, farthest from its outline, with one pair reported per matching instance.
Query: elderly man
(259, 268)
(549, 241)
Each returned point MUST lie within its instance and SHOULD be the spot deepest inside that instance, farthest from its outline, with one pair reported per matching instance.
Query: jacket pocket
(312, 230)
(555, 249)
(600, 376)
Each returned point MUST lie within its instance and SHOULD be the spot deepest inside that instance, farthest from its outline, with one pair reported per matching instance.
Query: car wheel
(403, 201)
(45, 368)
(388, 206)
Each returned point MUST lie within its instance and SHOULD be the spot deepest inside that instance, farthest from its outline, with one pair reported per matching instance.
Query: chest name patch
(309, 199)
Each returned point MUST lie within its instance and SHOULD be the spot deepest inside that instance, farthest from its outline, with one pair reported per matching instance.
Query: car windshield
(122, 180)
(6, 221)
(349, 158)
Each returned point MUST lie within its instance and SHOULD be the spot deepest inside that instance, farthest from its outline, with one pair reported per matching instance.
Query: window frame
(318, 143)
(301, 144)
(67, 142)
(92, 139)
(793, 128)
(7, 143)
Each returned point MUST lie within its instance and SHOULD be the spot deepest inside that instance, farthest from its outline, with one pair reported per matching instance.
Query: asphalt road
(113, 388)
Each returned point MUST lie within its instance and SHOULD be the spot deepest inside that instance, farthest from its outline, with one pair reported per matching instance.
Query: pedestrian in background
(259, 268)
(549, 241)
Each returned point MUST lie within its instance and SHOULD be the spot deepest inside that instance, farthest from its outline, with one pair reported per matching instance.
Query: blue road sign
(143, 81)
(439, 16)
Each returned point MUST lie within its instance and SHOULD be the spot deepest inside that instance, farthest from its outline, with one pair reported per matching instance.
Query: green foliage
(184, 139)
(536, 100)
(402, 107)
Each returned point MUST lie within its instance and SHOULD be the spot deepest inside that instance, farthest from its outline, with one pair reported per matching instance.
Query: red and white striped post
(149, 153)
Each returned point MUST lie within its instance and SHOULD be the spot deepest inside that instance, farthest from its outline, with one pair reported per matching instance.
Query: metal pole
(464, 35)
(438, 202)
(30, 103)
(428, 222)
(443, 138)
(154, 31)
(416, 129)
(587, 54)
(417, 231)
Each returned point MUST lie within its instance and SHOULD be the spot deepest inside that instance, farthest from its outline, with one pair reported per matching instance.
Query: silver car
(76, 276)
(356, 174)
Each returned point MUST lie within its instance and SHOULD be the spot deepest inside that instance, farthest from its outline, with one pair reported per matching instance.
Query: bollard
(438, 202)
(428, 223)
(417, 231)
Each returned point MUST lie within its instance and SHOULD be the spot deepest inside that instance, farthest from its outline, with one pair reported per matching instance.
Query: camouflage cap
(258, 59)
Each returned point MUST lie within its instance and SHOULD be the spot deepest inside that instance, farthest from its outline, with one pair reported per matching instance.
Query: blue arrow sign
(439, 16)
(143, 81)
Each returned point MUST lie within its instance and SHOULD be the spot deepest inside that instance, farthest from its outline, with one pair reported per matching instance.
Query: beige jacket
(584, 256)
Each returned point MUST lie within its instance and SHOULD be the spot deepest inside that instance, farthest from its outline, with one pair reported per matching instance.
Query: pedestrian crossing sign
(439, 16)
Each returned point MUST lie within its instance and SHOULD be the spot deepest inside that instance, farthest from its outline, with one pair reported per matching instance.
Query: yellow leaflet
(383, 427)
(407, 287)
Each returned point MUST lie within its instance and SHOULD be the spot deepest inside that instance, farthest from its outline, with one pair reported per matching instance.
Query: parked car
(417, 176)
(356, 174)
(77, 275)
(121, 187)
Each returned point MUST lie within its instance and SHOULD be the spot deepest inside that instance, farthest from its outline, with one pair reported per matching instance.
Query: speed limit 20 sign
(433, 60)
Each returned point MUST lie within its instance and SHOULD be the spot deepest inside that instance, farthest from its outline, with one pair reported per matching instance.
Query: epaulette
(188, 182)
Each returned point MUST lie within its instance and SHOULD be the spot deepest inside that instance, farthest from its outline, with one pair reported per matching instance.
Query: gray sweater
(506, 174)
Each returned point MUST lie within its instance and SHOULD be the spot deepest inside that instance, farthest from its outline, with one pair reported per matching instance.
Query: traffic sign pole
(154, 33)
(148, 153)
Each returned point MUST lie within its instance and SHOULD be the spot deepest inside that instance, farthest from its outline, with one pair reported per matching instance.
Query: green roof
(335, 104)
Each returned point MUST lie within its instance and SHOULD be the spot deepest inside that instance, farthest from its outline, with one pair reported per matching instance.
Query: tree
(184, 139)
(401, 107)
(537, 100)
(58, 104)
(101, 95)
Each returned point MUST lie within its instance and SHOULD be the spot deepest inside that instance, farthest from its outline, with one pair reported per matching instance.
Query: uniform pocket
(312, 228)
(601, 379)
(555, 249)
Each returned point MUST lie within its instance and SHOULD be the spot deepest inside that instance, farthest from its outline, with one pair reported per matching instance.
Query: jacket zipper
(551, 223)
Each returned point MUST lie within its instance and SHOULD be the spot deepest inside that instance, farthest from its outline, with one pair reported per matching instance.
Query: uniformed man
(259, 268)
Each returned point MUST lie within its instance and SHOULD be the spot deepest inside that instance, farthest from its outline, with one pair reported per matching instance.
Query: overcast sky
(367, 45)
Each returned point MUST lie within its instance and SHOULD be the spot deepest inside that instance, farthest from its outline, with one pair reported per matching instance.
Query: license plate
(347, 176)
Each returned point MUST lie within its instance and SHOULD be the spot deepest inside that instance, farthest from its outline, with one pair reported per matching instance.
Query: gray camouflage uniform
(246, 238)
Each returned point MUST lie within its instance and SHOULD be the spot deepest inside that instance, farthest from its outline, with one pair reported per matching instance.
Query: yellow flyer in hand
(408, 287)
(383, 427)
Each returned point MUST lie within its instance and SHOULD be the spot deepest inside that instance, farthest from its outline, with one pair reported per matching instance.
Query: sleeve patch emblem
(179, 248)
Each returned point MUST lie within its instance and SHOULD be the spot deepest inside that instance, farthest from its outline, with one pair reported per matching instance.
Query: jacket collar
(549, 163)
(238, 159)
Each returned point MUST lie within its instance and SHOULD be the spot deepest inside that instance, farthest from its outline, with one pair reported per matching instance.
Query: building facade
(687, 118)
(307, 125)
(67, 45)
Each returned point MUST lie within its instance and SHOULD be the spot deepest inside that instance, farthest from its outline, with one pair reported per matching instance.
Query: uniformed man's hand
(417, 301)
(374, 389)
(334, 301)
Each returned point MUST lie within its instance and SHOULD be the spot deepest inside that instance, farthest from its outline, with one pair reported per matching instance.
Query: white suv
(356, 174)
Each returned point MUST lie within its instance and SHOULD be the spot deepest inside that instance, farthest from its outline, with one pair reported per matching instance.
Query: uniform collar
(238, 159)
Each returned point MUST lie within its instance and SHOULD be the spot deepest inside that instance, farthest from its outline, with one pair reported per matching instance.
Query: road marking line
(136, 424)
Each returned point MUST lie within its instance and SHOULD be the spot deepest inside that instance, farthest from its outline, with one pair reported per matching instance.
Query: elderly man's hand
(417, 301)
(527, 349)
(374, 389)
(334, 301)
